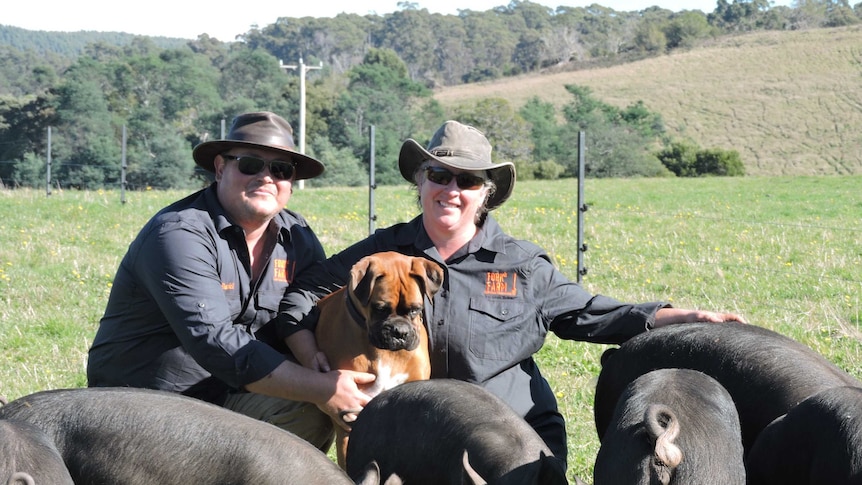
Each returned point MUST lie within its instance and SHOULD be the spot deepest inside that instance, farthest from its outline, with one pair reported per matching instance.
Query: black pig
(141, 437)
(672, 426)
(766, 373)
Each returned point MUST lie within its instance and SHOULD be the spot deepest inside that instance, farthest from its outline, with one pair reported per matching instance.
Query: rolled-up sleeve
(575, 314)
(297, 310)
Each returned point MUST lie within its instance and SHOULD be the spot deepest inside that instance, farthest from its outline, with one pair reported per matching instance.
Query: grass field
(789, 102)
(786, 252)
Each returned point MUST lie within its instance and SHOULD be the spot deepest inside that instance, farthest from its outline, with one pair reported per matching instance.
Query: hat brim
(205, 153)
(412, 156)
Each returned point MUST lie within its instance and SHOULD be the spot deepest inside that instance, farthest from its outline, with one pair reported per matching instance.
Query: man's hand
(347, 399)
(337, 393)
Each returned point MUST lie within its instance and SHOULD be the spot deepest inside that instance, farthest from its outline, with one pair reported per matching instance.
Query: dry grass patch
(789, 102)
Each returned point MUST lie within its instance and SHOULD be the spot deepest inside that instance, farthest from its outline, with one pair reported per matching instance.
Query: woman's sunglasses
(252, 166)
(464, 180)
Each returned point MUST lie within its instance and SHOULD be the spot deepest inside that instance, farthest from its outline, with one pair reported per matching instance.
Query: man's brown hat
(259, 130)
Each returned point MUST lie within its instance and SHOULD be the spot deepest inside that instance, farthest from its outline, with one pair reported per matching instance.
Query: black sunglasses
(464, 180)
(252, 166)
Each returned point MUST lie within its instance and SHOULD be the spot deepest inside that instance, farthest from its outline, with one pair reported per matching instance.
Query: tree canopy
(169, 95)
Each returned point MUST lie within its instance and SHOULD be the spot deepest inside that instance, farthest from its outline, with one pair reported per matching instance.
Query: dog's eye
(382, 308)
(414, 312)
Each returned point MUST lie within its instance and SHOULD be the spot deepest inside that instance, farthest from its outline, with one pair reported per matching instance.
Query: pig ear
(371, 476)
(393, 480)
(607, 354)
(553, 471)
(21, 478)
(470, 475)
(362, 280)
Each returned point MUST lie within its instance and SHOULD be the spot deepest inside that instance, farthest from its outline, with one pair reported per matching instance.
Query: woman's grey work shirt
(500, 297)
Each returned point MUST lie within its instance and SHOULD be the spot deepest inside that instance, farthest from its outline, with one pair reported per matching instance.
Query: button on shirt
(500, 298)
(184, 314)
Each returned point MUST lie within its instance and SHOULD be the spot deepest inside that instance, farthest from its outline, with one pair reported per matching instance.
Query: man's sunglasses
(464, 180)
(252, 166)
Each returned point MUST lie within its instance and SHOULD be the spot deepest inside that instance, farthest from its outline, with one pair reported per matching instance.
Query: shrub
(548, 170)
(716, 161)
(686, 159)
(680, 158)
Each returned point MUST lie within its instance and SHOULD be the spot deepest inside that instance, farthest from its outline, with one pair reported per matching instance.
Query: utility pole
(302, 70)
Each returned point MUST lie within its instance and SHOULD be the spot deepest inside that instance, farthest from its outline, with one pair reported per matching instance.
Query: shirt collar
(489, 237)
(214, 207)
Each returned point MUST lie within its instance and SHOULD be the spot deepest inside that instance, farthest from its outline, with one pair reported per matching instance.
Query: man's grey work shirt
(184, 314)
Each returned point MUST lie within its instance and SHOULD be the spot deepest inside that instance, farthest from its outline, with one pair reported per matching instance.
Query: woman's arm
(670, 316)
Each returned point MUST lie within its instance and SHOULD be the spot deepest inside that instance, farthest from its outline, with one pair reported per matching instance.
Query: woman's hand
(671, 316)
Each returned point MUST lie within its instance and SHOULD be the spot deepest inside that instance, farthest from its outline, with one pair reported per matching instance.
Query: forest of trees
(168, 94)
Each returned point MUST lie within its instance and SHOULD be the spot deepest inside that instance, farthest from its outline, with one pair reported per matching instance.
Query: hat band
(443, 153)
(273, 141)
(467, 154)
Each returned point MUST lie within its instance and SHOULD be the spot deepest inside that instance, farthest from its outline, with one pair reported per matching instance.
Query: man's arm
(332, 392)
(303, 346)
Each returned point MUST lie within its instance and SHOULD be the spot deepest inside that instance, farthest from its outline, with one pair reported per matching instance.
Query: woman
(500, 295)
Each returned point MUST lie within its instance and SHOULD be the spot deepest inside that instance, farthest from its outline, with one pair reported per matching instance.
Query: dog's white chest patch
(386, 379)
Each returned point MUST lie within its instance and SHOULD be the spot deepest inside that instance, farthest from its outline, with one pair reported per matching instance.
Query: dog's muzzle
(394, 334)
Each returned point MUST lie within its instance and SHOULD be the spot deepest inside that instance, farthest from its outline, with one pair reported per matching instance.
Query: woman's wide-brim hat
(259, 130)
(460, 146)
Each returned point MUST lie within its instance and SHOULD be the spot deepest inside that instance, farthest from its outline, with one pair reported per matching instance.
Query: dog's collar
(359, 318)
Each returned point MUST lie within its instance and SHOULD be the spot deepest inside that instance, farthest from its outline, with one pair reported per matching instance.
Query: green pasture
(784, 252)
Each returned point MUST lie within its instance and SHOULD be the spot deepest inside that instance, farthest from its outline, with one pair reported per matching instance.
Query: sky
(225, 20)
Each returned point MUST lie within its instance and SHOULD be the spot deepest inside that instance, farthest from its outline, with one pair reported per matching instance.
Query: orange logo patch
(502, 283)
(283, 270)
(228, 286)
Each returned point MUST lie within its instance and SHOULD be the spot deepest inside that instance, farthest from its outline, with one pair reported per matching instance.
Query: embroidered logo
(283, 270)
(501, 283)
(228, 286)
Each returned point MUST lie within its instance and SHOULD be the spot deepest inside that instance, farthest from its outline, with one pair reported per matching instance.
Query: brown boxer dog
(376, 324)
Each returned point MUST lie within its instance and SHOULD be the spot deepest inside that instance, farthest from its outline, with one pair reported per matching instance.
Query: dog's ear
(430, 275)
(362, 280)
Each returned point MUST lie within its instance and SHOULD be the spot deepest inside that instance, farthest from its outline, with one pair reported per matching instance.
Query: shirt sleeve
(297, 310)
(575, 314)
(178, 264)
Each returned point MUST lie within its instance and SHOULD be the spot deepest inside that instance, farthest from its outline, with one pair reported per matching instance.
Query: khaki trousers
(300, 418)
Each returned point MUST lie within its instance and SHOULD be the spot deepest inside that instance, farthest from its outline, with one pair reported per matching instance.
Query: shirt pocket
(269, 299)
(496, 327)
(262, 309)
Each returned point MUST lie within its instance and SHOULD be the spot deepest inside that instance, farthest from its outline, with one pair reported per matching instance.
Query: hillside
(72, 44)
(789, 102)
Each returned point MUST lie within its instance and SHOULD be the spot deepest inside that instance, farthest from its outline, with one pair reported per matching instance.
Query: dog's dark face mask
(395, 333)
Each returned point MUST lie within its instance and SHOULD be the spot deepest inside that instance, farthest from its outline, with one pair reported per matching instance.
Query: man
(194, 302)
